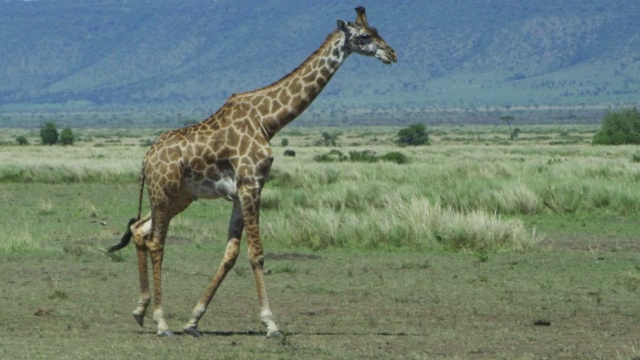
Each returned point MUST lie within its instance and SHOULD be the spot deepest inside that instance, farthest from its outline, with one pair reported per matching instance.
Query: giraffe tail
(126, 238)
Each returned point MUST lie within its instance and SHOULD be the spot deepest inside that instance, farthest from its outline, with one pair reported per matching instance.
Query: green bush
(21, 140)
(49, 133)
(413, 135)
(396, 157)
(332, 156)
(329, 139)
(363, 156)
(67, 137)
(619, 127)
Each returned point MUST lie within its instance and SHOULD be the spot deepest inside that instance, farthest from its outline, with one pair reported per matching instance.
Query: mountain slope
(191, 55)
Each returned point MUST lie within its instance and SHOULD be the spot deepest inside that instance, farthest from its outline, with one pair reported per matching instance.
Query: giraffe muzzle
(387, 56)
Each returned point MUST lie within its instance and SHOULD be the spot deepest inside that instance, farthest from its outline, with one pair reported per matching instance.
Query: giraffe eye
(364, 36)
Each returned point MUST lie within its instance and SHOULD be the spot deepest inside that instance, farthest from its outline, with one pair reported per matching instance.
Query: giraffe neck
(281, 102)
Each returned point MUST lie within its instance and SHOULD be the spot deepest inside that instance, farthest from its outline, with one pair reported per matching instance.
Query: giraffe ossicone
(228, 156)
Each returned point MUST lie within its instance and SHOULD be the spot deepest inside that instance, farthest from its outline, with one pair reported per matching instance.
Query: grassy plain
(480, 247)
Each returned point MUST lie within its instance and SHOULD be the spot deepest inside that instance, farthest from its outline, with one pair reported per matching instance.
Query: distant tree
(67, 137)
(413, 135)
(21, 140)
(330, 139)
(508, 119)
(619, 127)
(285, 142)
(49, 133)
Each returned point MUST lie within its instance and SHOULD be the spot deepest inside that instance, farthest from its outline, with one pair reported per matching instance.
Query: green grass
(452, 195)
(456, 254)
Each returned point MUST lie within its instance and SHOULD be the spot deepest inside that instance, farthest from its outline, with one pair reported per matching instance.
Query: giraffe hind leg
(141, 232)
(145, 297)
(154, 244)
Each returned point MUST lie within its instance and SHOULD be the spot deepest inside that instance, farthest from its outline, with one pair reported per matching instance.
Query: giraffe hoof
(193, 331)
(139, 319)
(275, 334)
(165, 333)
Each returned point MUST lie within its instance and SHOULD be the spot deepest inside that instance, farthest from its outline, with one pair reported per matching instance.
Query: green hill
(186, 57)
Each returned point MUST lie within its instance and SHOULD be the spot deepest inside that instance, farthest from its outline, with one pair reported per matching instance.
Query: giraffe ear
(342, 26)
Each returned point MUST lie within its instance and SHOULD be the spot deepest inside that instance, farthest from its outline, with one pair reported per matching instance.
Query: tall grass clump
(580, 183)
(19, 240)
(415, 224)
(71, 164)
(366, 156)
(65, 173)
(517, 199)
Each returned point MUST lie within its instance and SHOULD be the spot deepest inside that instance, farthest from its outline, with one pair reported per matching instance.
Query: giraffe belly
(225, 188)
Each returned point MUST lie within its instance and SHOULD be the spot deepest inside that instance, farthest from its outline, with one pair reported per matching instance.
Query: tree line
(617, 128)
(49, 135)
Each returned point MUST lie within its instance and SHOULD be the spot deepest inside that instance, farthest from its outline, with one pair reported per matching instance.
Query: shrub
(363, 156)
(332, 156)
(619, 127)
(49, 133)
(67, 137)
(21, 140)
(396, 157)
(413, 135)
(329, 139)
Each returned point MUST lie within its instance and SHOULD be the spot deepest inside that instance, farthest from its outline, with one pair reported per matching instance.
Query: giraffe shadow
(302, 333)
(252, 333)
(230, 333)
(208, 333)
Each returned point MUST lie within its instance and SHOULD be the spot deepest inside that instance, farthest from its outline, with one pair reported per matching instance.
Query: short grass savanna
(478, 247)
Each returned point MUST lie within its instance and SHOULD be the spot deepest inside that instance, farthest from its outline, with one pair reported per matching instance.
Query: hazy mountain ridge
(193, 54)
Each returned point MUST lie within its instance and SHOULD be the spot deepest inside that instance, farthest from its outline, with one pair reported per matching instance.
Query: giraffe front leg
(266, 316)
(251, 213)
(230, 255)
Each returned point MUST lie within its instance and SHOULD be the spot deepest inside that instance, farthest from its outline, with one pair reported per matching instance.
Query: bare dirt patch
(333, 305)
(291, 256)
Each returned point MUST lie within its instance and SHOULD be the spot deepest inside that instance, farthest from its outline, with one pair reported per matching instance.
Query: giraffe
(228, 156)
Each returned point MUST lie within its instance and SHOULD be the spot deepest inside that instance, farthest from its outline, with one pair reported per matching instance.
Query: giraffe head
(364, 39)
